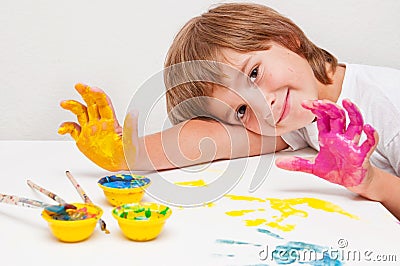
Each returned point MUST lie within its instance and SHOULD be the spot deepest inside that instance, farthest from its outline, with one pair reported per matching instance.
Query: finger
(130, 138)
(294, 163)
(70, 128)
(370, 143)
(88, 96)
(104, 105)
(355, 126)
(78, 109)
(337, 116)
(323, 121)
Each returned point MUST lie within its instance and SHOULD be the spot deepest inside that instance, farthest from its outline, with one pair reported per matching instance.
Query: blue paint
(265, 231)
(234, 242)
(224, 255)
(123, 181)
(303, 253)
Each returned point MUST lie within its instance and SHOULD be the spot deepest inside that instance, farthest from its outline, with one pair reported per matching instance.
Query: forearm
(199, 141)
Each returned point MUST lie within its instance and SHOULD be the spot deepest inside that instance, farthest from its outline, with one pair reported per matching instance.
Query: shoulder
(373, 74)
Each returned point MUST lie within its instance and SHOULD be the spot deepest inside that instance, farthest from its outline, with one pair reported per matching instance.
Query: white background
(47, 46)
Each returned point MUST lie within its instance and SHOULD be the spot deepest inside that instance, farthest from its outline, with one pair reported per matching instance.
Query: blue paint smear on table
(265, 231)
(291, 252)
(303, 253)
(224, 255)
(234, 242)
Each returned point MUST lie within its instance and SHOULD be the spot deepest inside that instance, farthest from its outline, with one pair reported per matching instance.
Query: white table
(191, 236)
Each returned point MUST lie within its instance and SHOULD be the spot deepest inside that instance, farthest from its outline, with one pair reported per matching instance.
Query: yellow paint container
(141, 221)
(122, 189)
(74, 230)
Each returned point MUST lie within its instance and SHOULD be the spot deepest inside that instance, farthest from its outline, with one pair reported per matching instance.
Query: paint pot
(141, 221)
(77, 226)
(122, 188)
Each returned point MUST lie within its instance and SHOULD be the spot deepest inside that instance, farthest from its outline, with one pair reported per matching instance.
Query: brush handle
(46, 192)
(78, 188)
(20, 201)
(86, 199)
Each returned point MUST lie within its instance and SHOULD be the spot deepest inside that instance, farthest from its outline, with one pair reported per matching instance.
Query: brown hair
(241, 27)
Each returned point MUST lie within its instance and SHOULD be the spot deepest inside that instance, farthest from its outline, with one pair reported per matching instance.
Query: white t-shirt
(376, 92)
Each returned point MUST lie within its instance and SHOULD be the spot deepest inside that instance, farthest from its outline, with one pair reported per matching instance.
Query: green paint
(139, 210)
(147, 213)
(164, 212)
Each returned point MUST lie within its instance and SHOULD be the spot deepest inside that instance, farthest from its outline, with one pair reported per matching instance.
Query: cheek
(300, 117)
(261, 127)
(252, 124)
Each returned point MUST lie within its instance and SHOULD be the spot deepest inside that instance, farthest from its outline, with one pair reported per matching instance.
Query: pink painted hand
(341, 160)
(98, 134)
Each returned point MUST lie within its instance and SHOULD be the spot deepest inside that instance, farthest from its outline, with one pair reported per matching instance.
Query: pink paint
(341, 160)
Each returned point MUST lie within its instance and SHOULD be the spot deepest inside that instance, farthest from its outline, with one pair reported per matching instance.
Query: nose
(270, 99)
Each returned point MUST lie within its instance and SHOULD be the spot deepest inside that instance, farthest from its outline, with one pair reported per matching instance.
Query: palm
(340, 161)
(100, 142)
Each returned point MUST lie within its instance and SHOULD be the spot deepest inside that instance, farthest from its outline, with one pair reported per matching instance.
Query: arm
(98, 136)
(198, 141)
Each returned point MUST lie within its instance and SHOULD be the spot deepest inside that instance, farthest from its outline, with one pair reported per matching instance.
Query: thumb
(70, 128)
(294, 163)
(130, 138)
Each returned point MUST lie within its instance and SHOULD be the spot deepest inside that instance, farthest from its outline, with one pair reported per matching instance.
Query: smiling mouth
(284, 109)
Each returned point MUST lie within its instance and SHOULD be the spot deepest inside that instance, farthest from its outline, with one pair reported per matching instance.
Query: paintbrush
(50, 194)
(25, 202)
(86, 199)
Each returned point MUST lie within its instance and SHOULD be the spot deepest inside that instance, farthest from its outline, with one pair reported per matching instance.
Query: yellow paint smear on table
(286, 209)
(239, 212)
(192, 183)
(247, 198)
(255, 222)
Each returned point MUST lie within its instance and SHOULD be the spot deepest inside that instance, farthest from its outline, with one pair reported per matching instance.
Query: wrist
(371, 186)
(378, 186)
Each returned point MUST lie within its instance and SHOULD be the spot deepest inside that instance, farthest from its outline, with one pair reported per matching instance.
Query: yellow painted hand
(97, 134)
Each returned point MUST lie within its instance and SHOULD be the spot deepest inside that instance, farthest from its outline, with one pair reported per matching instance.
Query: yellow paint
(247, 198)
(210, 204)
(255, 222)
(239, 212)
(286, 208)
(282, 227)
(193, 183)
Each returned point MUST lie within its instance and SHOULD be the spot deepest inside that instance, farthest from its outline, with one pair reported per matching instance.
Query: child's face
(284, 79)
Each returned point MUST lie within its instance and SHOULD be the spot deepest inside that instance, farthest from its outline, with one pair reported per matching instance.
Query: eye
(241, 111)
(253, 74)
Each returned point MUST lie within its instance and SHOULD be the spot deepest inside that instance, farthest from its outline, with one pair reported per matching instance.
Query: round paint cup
(74, 230)
(141, 221)
(122, 188)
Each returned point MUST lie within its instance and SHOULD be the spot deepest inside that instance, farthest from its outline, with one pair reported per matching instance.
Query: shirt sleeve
(295, 140)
